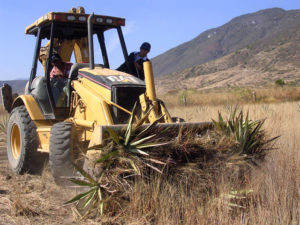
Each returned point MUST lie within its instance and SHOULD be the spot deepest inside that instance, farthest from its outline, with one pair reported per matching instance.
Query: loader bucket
(167, 129)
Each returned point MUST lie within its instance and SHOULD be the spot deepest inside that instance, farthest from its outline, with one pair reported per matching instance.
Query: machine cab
(67, 34)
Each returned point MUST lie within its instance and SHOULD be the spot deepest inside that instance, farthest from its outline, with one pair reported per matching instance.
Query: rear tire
(22, 141)
(61, 153)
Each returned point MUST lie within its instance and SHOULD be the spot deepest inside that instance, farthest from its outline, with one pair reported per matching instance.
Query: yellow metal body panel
(96, 137)
(44, 137)
(62, 17)
(31, 106)
(149, 80)
(150, 89)
(94, 98)
(104, 92)
(167, 117)
(65, 48)
(39, 21)
(15, 141)
(101, 71)
(81, 50)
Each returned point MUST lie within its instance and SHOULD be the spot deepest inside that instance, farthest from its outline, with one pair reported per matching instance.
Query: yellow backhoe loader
(94, 98)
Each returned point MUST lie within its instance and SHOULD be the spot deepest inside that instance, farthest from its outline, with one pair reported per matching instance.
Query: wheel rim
(15, 141)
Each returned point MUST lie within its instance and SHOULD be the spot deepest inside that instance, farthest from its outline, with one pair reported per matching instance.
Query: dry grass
(276, 186)
(232, 96)
(268, 195)
(274, 196)
(3, 122)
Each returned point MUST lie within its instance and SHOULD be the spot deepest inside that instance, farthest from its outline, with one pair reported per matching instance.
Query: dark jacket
(133, 70)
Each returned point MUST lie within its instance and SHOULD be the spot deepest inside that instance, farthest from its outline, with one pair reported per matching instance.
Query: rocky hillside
(252, 49)
(245, 67)
(263, 26)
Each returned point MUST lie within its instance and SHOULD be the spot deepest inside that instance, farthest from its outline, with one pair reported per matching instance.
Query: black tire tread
(30, 141)
(60, 154)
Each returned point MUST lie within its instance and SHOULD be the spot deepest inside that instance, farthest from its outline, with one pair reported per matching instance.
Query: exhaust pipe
(91, 43)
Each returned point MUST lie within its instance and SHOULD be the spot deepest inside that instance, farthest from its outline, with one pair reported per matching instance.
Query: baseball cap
(55, 57)
(146, 46)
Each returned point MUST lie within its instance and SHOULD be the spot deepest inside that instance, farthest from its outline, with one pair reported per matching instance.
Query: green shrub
(244, 94)
(279, 82)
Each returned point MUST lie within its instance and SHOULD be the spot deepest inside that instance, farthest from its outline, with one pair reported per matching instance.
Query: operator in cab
(60, 69)
(136, 60)
(58, 75)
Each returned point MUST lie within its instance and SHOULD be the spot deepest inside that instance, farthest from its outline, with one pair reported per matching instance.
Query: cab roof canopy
(72, 25)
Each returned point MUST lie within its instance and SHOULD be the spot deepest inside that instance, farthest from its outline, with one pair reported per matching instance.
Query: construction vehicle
(95, 97)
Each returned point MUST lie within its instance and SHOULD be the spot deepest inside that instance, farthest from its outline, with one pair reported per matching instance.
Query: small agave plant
(247, 133)
(125, 155)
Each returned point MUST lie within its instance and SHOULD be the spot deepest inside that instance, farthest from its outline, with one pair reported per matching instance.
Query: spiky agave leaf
(143, 119)
(132, 164)
(148, 128)
(107, 157)
(129, 127)
(137, 151)
(85, 174)
(80, 196)
(114, 136)
(151, 145)
(140, 141)
(125, 152)
(101, 203)
(247, 133)
(82, 182)
(90, 198)
(220, 124)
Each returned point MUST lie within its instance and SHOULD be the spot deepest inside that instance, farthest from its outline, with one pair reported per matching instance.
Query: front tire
(61, 154)
(22, 141)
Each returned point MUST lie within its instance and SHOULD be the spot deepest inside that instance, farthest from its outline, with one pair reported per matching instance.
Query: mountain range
(18, 86)
(252, 49)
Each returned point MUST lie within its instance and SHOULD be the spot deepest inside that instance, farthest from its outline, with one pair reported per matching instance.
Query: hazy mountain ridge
(249, 66)
(17, 85)
(255, 29)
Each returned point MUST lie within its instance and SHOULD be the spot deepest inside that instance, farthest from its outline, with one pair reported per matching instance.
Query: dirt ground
(33, 199)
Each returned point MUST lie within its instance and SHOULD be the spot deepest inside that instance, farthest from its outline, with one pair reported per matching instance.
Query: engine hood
(109, 78)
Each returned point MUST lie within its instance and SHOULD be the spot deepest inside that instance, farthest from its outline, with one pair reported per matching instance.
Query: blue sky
(163, 23)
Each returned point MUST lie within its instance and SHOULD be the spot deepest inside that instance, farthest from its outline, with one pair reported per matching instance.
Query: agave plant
(247, 133)
(123, 156)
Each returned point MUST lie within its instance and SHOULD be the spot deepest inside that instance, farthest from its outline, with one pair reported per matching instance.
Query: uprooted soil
(33, 199)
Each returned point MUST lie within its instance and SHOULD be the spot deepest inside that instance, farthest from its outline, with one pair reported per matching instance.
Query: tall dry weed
(3, 122)
(276, 185)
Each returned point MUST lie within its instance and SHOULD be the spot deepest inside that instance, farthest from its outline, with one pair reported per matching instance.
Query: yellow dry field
(277, 182)
(35, 199)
